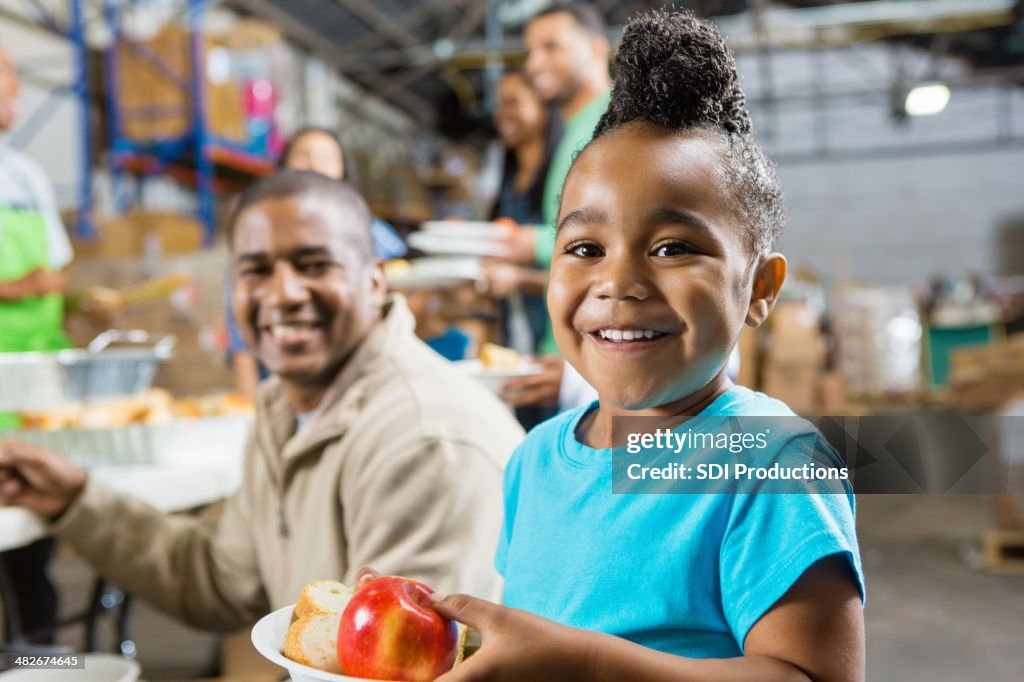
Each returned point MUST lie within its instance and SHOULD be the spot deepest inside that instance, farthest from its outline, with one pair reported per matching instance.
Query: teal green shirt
(578, 132)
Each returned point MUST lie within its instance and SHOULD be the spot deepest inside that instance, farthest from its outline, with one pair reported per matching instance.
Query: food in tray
(152, 406)
(385, 630)
(397, 267)
(492, 356)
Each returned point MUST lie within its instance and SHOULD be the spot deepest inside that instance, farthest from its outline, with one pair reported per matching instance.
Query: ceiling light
(926, 99)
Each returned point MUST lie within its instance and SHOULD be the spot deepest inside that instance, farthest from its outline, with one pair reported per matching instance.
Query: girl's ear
(768, 279)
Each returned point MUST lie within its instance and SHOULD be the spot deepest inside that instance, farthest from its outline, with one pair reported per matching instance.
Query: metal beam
(470, 21)
(380, 22)
(369, 42)
(413, 105)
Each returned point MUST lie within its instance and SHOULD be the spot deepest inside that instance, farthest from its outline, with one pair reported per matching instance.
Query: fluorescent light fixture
(926, 99)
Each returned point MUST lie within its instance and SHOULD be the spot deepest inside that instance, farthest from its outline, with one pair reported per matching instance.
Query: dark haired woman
(530, 131)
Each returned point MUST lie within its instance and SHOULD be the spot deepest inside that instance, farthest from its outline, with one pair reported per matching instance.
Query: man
(567, 64)
(368, 449)
(34, 248)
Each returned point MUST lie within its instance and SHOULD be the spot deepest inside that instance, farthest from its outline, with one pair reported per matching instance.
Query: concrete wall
(955, 208)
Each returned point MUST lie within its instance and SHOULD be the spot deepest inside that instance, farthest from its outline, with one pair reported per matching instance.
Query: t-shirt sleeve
(510, 494)
(46, 201)
(772, 539)
(544, 245)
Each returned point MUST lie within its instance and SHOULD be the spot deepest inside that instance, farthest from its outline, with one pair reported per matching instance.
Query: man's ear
(378, 283)
(601, 49)
(768, 278)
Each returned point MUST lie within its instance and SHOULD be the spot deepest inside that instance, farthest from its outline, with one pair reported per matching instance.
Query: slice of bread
(493, 355)
(322, 596)
(313, 640)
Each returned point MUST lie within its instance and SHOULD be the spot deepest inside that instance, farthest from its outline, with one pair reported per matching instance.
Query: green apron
(31, 324)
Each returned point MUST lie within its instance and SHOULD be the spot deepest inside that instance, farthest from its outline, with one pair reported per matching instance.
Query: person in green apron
(34, 248)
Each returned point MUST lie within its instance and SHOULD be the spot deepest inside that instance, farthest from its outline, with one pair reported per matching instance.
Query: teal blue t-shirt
(687, 574)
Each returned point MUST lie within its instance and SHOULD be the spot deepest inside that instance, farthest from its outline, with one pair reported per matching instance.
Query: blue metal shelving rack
(197, 147)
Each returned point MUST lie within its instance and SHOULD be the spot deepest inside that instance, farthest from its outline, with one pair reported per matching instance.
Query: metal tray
(34, 381)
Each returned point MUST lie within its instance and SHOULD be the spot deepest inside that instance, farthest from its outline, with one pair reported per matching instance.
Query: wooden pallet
(1004, 551)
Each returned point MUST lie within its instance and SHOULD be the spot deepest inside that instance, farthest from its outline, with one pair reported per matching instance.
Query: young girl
(663, 252)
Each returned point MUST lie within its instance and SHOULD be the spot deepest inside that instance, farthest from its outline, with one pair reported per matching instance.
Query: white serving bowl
(268, 638)
(98, 668)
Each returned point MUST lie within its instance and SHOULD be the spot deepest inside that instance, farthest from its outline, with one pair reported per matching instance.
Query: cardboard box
(795, 384)
(154, 78)
(794, 335)
(750, 357)
(153, 234)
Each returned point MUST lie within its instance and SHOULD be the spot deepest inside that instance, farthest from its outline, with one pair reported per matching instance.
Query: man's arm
(201, 574)
(815, 633)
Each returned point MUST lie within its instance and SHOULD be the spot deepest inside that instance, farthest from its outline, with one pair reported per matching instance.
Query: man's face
(306, 291)
(649, 280)
(9, 87)
(559, 53)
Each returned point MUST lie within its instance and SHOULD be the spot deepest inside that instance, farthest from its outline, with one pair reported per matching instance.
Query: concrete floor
(933, 614)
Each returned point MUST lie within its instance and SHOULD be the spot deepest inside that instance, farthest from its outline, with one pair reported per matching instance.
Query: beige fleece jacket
(399, 468)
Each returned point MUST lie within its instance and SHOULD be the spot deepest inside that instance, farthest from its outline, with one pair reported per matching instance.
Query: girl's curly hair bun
(675, 70)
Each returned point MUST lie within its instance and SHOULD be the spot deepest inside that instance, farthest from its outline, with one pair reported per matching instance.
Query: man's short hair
(289, 183)
(585, 14)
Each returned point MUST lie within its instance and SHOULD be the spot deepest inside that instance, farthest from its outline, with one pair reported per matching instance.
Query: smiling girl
(663, 253)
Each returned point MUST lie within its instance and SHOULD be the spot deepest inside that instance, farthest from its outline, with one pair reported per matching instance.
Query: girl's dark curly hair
(675, 71)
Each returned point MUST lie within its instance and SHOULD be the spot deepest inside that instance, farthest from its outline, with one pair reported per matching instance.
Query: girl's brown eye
(671, 249)
(584, 250)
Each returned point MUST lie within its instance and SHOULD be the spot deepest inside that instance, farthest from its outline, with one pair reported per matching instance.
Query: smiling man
(369, 449)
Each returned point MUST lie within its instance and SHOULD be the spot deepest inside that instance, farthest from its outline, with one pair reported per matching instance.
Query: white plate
(438, 243)
(268, 638)
(494, 377)
(465, 229)
(98, 668)
(437, 272)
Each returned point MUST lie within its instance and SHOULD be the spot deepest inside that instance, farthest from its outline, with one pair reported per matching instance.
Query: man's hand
(537, 390)
(37, 479)
(518, 243)
(516, 645)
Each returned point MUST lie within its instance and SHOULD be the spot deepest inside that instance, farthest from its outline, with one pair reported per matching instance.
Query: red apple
(390, 631)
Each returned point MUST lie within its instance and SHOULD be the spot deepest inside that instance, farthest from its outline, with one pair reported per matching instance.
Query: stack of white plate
(460, 238)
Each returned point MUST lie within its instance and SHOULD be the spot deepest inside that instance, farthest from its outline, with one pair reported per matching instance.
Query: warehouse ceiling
(429, 57)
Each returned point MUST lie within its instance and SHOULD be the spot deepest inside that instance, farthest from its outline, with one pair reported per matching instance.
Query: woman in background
(530, 131)
(319, 150)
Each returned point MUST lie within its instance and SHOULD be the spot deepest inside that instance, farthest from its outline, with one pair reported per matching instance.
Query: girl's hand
(516, 645)
(365, 575)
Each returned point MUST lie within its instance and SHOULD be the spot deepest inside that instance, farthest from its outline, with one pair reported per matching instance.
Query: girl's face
(520, 116)
(650, 281)
(317, 152)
